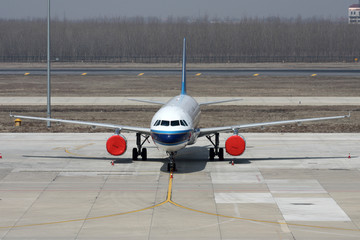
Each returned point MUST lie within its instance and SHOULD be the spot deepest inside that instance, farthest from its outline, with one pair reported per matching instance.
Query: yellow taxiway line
(168, 200)
(100, 217)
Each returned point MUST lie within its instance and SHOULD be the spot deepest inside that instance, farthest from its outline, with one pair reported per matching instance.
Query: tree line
(144, 38)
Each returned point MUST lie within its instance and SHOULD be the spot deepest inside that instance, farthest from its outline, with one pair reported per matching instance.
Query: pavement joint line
(169, 200)
(99, 217)
(91, 208)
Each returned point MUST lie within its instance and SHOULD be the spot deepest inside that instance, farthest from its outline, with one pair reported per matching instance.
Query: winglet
(349, 115)
(183, 78)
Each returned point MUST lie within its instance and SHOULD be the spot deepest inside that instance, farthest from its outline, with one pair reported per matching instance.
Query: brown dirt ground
(168, 86)
(211, 116)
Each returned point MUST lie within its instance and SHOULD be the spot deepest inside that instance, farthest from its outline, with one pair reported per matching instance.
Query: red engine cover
(116, 145)
(235, 145)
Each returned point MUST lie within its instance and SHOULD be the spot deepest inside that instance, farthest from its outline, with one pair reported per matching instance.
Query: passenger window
(175, 123)
(165, 123)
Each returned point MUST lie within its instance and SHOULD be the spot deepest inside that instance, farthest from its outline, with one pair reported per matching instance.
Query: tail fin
(183, 78)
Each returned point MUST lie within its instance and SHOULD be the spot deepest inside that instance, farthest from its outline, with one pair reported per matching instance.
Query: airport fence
(176, 59)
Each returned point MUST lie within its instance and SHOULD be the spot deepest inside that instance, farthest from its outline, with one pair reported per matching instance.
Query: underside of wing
(235, 128)
(105, 125)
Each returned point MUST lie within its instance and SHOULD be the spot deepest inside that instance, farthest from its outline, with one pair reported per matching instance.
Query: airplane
(175, 126)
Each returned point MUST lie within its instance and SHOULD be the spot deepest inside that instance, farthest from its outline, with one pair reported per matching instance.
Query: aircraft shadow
(249, 160)
(189, 160)
(192, 159)
(116, 160)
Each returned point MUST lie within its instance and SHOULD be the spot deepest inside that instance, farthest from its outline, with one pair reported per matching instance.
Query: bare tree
(153, 39)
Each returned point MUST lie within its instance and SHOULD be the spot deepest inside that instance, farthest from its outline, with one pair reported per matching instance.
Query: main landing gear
(140, 151)
(171, 167)
(215, 151)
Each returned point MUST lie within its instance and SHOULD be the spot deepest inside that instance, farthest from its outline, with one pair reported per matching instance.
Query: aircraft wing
(201, 104)
(105, 125)
(146, 101)
(234, 128)
(221, 101)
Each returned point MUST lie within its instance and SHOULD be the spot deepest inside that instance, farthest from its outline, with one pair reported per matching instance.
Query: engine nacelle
(235, 145)
(116, 145)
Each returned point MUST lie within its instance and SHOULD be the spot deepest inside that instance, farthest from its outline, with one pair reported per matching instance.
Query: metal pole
(48, 68)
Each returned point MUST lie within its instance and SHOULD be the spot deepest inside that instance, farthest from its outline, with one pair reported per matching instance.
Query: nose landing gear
(171, 167)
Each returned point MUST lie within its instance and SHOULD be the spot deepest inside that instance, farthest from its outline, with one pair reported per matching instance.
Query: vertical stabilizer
(183, 78)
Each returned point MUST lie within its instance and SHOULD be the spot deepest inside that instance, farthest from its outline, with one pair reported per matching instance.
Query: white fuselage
(175, 124)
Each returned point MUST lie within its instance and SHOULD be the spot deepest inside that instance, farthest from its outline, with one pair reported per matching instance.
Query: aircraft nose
(170, 138)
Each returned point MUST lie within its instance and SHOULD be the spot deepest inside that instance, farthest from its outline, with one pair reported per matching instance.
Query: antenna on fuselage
(183, 78)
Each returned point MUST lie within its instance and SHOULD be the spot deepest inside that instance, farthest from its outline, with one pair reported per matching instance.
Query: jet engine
(116, 145)
(235, 145)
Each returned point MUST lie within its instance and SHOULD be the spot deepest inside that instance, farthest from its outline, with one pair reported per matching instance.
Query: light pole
(48, 68)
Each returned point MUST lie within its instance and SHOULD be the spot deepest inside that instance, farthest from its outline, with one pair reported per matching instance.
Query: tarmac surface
(285, 186)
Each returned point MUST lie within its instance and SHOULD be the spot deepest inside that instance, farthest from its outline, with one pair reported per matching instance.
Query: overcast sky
(79, 9)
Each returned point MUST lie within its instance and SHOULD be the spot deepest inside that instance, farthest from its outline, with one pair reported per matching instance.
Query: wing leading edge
(146, 101)
(221, 101)
(235, 128)
(106, 125)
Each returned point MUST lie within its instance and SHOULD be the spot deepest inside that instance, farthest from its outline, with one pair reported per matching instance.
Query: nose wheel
(171, 167)
(139, 150)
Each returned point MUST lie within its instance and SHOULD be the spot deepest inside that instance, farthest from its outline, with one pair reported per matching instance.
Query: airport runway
(285, 186)
(192, 71)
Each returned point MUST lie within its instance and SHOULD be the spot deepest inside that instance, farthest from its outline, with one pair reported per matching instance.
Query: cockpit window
(175, 123)
(165, 123)
(183, 123)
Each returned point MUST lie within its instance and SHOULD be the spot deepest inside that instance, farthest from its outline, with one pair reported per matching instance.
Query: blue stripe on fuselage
(170, 137)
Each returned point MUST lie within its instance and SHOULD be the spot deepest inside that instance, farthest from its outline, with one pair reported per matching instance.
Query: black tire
(221, 154)
(144, 154)
(211, 153)
(168, 167)
(134, 154)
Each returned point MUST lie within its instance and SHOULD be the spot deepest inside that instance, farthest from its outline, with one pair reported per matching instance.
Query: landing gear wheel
(144, 154)
(140, 151)
(171, 167)
(221, 154)
(211, 153)
(215, 151)
(135, 154)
